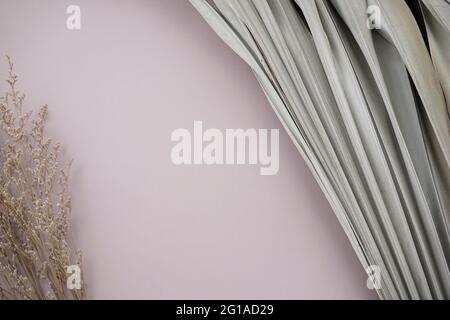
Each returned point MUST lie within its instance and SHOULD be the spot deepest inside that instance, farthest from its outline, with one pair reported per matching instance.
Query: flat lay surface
(116, 89)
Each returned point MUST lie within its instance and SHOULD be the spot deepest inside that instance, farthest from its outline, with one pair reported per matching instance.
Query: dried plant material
(34, 206)
(363, 89)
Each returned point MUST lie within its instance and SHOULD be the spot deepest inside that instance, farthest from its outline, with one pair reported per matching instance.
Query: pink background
(116, 90)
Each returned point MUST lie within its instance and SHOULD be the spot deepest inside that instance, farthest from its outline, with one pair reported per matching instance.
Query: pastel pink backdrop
(116, 90)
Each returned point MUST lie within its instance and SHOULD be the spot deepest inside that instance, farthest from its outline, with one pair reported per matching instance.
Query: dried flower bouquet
(34, 206)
